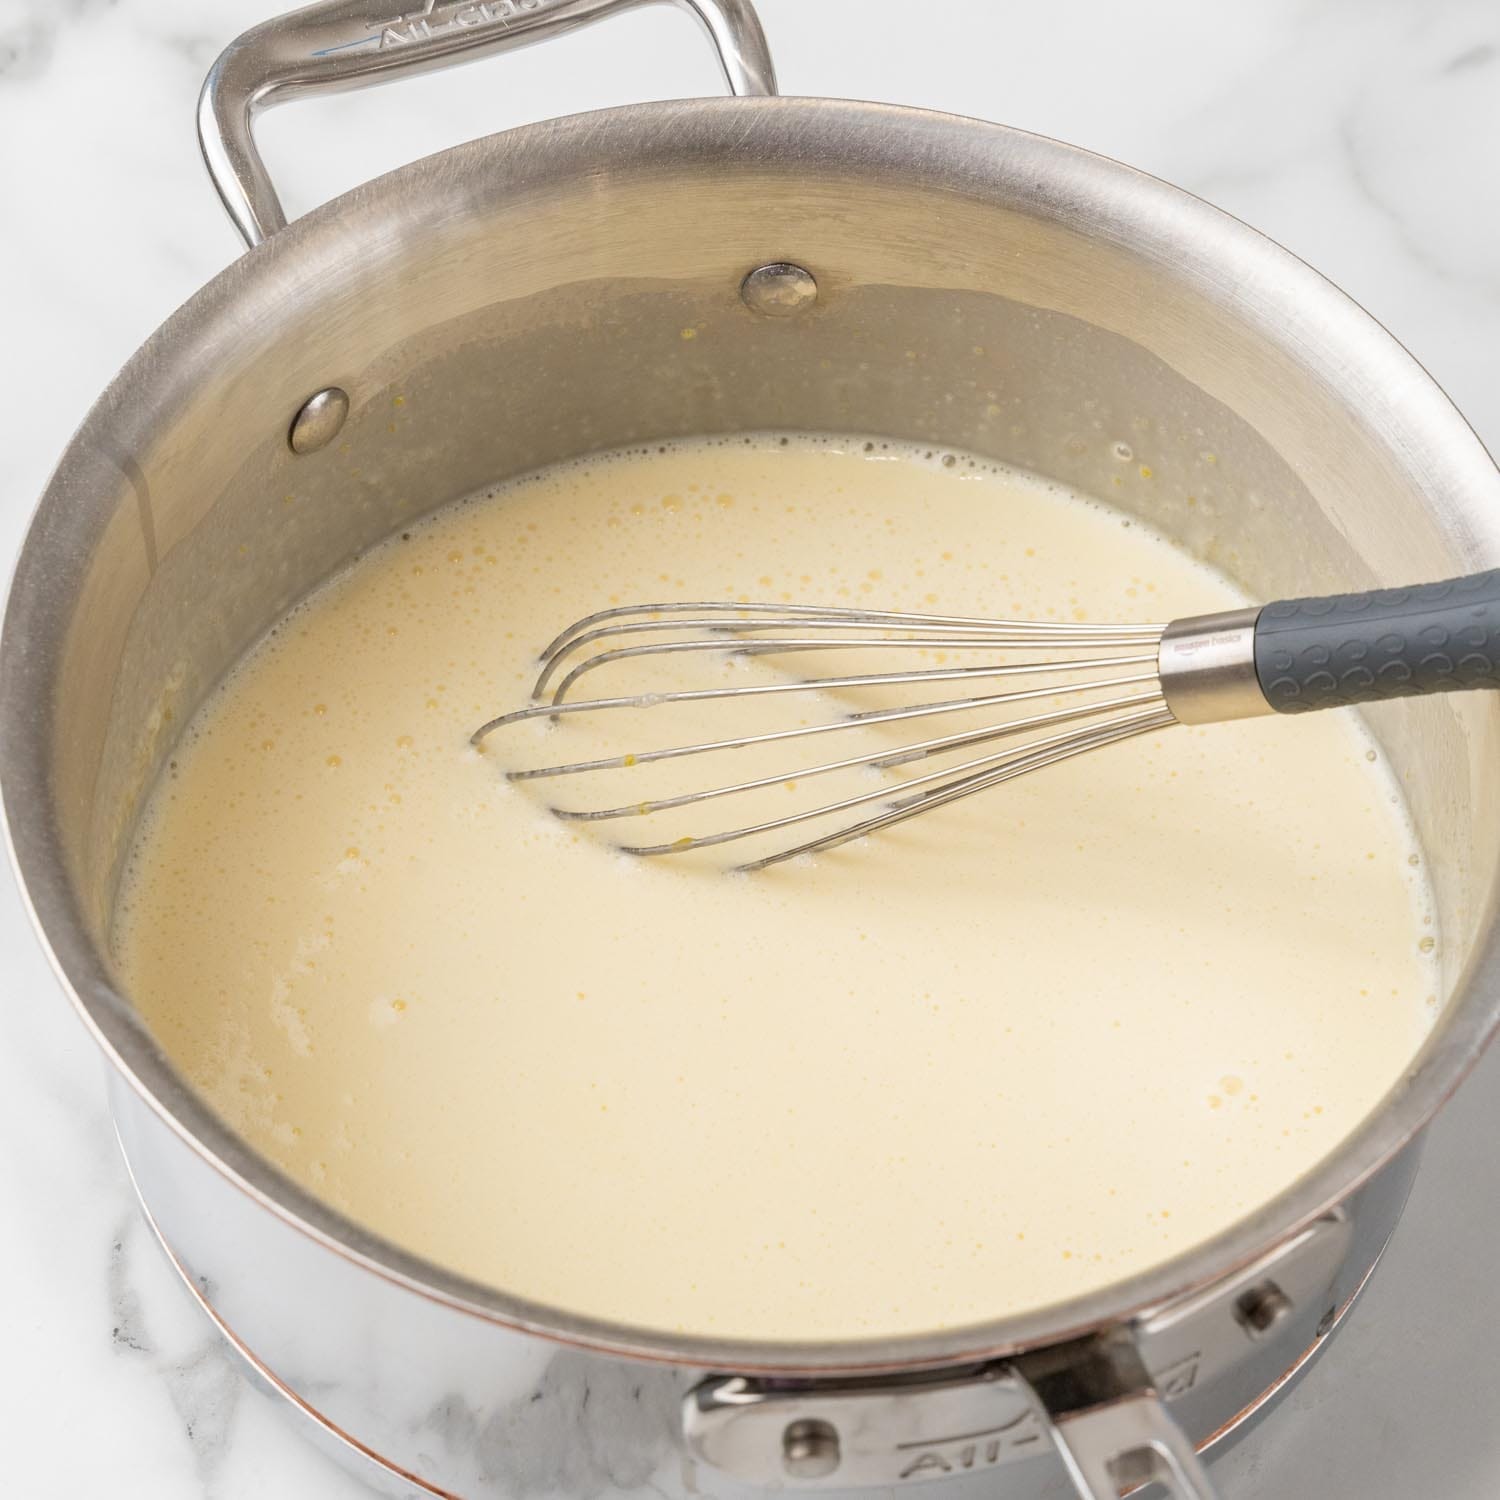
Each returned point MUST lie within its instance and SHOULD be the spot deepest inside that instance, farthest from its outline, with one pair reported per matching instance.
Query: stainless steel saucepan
(841, 266)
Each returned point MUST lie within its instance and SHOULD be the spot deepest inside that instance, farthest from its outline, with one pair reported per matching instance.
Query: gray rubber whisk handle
(1388, 643)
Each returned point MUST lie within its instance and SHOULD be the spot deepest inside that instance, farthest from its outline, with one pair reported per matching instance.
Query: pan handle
(1107, 1422)
(342, 44)
(1112, 1449)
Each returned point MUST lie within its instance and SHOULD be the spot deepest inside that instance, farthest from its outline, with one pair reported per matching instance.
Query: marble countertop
(1361, 136)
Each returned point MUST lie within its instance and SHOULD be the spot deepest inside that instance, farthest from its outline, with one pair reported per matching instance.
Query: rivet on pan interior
(319, 420)
(779, 290)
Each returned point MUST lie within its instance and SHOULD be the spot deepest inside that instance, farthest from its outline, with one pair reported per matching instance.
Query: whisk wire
(782, 614)
(1078, 744)
(879, 759)
(960, 780)
(802, 731)
(802, 644)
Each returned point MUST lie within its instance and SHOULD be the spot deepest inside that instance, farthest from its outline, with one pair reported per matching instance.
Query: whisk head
(1024, 694)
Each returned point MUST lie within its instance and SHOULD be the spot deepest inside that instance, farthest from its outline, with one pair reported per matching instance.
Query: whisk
(1028, 694)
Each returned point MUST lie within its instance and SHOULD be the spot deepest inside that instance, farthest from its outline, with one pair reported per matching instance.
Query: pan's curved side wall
(489, 1413)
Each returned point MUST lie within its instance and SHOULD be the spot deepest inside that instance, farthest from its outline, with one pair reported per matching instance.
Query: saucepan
(844, 267)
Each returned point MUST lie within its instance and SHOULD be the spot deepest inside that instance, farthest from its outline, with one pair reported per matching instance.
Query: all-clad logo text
(435, 19)
(931, 1458)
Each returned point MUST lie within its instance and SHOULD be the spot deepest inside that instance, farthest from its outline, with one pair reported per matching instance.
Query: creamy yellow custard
(1018, 1048)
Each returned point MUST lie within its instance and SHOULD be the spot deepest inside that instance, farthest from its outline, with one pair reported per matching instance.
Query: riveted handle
(1107, 1422)
(1116, 1448)
(342, 44)
(1388, 643)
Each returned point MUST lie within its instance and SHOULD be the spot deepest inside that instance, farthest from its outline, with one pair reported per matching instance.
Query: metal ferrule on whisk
(1207, 667)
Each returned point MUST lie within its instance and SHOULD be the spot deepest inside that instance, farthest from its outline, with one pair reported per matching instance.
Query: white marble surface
(1361, 133)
